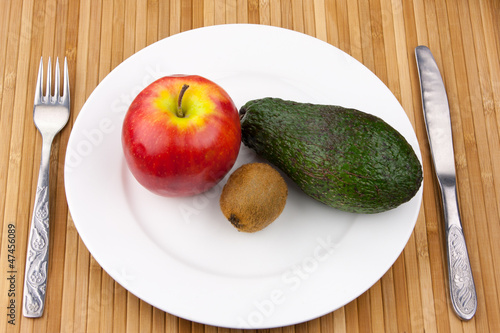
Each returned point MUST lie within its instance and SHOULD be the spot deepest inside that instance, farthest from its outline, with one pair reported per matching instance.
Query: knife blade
(438, 124)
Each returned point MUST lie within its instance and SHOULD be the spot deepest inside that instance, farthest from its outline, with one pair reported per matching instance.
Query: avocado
(345, 158)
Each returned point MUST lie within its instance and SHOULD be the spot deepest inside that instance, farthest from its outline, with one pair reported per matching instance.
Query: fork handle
(35, 278)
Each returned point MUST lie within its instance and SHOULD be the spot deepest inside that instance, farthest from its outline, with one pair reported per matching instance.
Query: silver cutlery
(438, 124)
(50, 114)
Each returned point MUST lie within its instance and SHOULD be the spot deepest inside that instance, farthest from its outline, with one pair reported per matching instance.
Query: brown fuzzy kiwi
(253, 197)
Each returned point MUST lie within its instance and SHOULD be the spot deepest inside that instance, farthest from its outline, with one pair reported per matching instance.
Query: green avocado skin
(344, 158)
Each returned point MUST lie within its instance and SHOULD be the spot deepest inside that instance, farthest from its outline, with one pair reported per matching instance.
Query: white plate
(181, 255)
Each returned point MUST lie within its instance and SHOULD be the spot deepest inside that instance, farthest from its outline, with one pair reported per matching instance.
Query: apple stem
(180, 112)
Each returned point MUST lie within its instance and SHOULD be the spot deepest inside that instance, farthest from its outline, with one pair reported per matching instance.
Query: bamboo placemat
(96, 36)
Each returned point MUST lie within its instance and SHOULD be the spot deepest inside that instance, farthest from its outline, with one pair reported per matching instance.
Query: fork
(50, 114)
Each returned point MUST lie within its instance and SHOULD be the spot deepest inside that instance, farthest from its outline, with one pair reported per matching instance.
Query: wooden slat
(17, 74)
(489, 138)
(97, 35)
(58, 228)
(100, 284)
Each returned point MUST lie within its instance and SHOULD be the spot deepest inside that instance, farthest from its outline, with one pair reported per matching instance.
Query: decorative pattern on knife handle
(461, 282)
(38, 253)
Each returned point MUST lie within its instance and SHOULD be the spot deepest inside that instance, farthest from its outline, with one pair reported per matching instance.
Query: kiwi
(253, 197)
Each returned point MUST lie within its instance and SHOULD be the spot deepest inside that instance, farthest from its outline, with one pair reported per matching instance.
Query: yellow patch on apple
(195, 106)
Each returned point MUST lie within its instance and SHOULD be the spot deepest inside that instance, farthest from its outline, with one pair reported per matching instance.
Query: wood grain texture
(97, 35)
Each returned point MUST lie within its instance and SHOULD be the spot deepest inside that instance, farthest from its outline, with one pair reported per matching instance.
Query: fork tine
(57, 90)
(39, 83)
(65, 94)
(49, 81)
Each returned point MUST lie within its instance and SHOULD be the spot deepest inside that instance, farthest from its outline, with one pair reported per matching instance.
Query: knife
(438, 124)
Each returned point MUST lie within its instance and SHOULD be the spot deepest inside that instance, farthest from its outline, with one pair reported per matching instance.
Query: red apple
(181, 135)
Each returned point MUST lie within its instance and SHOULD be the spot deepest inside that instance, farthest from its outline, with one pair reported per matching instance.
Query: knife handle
(462, 290)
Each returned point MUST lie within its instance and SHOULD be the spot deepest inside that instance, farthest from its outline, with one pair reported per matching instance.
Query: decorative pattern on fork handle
(38, 254)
